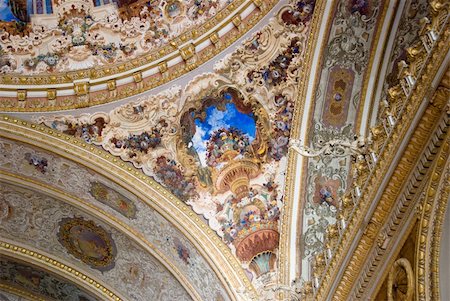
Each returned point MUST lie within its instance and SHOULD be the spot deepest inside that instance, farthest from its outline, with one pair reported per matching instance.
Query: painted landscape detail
(88, 242)
(39, 282)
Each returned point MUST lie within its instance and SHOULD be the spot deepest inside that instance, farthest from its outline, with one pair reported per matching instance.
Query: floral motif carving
(142, 142)
(353, 22)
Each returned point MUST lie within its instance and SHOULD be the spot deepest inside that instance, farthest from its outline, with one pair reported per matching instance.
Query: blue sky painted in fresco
(216, 119)
(5, 12)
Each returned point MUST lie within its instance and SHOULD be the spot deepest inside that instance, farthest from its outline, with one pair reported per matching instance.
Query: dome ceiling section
(87, 55)
(78, 239)
(219, 144)
(99, 195)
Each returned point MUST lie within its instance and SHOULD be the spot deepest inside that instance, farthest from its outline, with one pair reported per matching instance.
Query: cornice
(430, 226)
(384, 162)
(56, 266)
(385, 204)
(209, 245)
(402, 213)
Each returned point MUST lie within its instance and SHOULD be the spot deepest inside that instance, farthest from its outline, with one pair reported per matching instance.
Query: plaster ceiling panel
(220, 143)
(97, 194)
(78, 239)
(79, 35)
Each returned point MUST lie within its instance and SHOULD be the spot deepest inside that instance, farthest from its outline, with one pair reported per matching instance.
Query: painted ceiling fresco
(80, 35)
(220, 143)
(6, 13)
(102, 194)
(39, 282)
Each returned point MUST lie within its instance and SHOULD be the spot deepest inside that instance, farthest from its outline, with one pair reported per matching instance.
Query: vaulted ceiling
(210, 150)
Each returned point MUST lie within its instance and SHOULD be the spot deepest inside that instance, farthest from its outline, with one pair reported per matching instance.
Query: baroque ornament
(220, 143)
(88, 242)
(335, 155)
(414, 84)
(349, 48)
(400, 284)
(5, 209)
(80, 35)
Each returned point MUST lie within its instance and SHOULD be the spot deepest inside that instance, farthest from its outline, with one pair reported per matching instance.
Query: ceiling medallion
(88, 242)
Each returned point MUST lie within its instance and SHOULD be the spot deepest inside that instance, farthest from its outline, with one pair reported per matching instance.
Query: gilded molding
(369, 69)
(421, 90)
(56, 266)
(403, 207)
(401, 263)
(290, 180)
(391, 193)
(210, 246)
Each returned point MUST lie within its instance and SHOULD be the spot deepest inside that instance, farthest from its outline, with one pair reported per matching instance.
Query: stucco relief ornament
(220, 144)
(293, 292)
(348, 47)
(245, 295)
(81, 36)
(335, 148)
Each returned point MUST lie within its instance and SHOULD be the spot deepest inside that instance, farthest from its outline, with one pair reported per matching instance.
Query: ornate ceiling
(149, 153)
